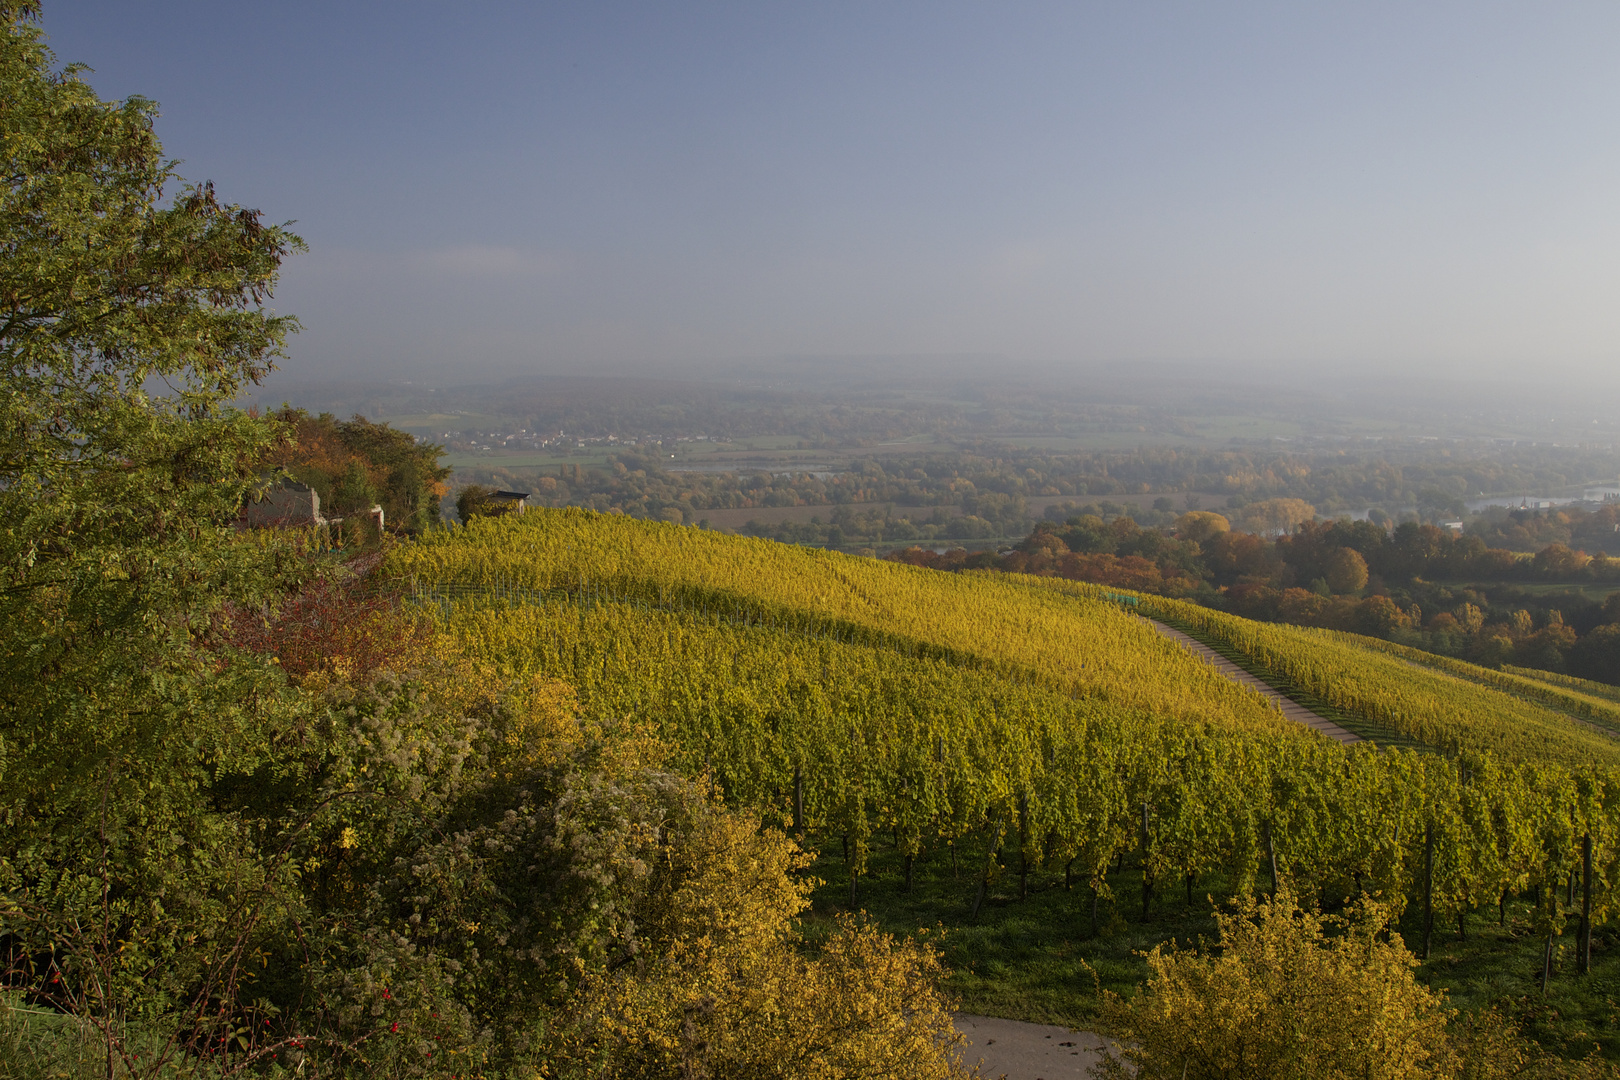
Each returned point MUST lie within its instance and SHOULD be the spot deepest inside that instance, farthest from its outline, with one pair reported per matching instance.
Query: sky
(494, 188)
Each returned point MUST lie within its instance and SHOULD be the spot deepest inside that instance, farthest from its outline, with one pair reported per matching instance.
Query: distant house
(285, 503)
(506, 502)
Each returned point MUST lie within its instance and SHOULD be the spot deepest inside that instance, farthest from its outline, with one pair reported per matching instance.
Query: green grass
(1036, 958)
(38, 1044)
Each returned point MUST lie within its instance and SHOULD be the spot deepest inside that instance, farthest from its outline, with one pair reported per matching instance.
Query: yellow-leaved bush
(560, 900)
(1288, 993)
(719, 989)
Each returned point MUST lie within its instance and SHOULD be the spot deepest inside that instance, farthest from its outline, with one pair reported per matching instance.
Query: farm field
(985, 739)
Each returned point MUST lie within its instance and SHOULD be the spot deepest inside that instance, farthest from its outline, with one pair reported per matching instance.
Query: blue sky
(497, 188)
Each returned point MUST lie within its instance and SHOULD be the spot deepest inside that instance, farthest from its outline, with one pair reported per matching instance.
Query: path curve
(1020, 1051)
(1293, 710)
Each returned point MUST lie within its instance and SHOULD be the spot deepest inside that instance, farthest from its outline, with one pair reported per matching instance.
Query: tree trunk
(1501, 909)
(909, 861)
(1189, 890)
(1096, 898)
(1546, 966)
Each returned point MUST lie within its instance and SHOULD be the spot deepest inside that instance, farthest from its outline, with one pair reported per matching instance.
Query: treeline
(891, 494)
(1416, 584)
(1533, 530)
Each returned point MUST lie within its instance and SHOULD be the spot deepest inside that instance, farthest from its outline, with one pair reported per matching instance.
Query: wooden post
(1147, 880)
(1428, 886)
(1023, 847)
(989, 863)
(1584, 944)
(798, 801)
(1271, 853)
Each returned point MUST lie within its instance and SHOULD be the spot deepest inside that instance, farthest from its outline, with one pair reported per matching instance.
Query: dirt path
(1291, 709)
(1020, 1051)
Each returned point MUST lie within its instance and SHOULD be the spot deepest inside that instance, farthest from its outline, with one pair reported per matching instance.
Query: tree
(1284, 998)
(355, 464)
(127, 325)
(473, 501)
(1597, 655)
(1277, 515)
(1200, 525)
(1346, 571)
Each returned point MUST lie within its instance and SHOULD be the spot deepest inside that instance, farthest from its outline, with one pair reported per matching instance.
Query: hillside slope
(1077, 643)
(847, 699)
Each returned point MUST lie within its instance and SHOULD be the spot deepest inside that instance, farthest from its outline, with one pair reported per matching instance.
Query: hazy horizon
(510, 189)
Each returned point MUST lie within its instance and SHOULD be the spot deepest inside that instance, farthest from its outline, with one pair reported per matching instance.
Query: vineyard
(975, 717)
(1446, 704)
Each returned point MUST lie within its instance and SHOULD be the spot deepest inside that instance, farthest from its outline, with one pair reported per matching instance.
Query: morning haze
(517, 190)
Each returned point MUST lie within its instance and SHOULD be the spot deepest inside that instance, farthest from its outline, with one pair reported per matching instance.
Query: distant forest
(995, 483)
(1416, 584)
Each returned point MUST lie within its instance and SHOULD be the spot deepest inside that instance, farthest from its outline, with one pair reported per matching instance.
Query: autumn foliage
(338, 625)
(355, 464)
(1288, 992)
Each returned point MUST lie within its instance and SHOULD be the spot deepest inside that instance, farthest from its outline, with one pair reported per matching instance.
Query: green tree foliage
(127, 324)
(1346, 571)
